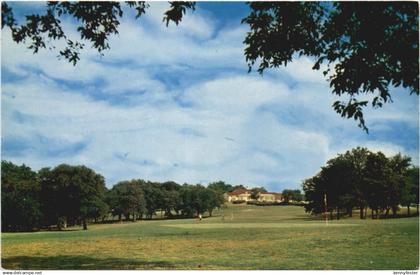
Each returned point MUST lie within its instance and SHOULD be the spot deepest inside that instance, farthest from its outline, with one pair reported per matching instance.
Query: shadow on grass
(79, 263)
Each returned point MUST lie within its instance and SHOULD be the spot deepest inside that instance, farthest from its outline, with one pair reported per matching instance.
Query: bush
(238, 202)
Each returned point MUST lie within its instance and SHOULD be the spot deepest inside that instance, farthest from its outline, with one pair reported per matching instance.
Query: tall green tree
(127, 198)
(398, 165)
(357, 158)
(367, 47)
(412, 187)
(154, 197)
(364, 179)
(73, 193)
(315, 191)
(171, 197)
(378, 181)
(20, 201)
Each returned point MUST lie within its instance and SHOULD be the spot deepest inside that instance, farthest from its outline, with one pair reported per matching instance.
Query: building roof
(237, 192)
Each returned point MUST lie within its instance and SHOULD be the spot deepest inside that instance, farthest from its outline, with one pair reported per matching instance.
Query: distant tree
(238, 186)
(154, 197)
(255, 192)
(215, 200)
(408, 195)
(196, 200)
(220, 186)
(398, 166)
(188, 196)
(289, 194)
(75, 192)
(357, 158)
(127, 198)
(412, 187)
(315, 191)
(171, 197)
(377, 177)
(101, 209)
(20, 201)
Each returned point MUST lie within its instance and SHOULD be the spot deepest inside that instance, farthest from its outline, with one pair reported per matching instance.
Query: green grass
(239, 237)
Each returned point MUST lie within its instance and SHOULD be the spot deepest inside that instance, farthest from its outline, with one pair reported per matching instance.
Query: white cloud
(233, 126)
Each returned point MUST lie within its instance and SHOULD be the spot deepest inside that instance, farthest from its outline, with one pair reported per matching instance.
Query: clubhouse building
(245, 195)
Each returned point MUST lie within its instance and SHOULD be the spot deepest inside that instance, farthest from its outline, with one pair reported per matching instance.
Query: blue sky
(177, 103)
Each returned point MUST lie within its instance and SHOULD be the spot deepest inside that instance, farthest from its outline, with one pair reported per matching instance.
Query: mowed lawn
(238, 237)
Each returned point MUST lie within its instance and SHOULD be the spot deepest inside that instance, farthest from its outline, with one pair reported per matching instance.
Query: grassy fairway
(239, 237)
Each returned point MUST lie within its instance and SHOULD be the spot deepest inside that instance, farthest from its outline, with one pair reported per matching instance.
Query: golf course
(236, 237)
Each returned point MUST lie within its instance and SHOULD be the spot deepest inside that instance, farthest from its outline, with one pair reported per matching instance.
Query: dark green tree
(412, 184)
(362, 178)
(357, 158)
(97, 21)
(315, 190)
(220, 186)
(127, 198)
(367, 47)
(154, 197)
(72, 193)
(398, 166)
(337, 183)
(20, 198)
(377, 178)
(214, 199)
(255, 192)
(171, 197)
(291, 194)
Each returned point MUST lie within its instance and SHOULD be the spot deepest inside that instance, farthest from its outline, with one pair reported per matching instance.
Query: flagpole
(326, 209)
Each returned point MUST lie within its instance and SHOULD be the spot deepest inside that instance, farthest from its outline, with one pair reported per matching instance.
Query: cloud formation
(178, 104)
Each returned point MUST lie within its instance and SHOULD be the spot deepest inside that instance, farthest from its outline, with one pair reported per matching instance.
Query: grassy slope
(240, 237)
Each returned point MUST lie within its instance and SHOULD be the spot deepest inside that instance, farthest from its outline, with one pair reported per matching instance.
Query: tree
(363, 178)
(215, 200)
(255, 192)
(377, 177)
(127, 198)
(343, 183)
(398, 166)
(315, 191)
(171, 198)
(357, 158)
(289, 194)
(154, 197)
(412, 184)
(72, 193)
(20, 201)
(367, 47)
(408, 196)
(196, 200)
(221, 187)
(97, 22)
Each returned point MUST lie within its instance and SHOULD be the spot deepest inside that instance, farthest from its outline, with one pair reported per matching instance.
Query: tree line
(365, 180)
(70, 195)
